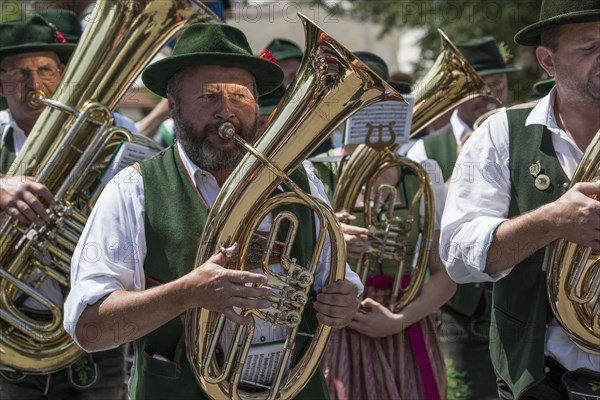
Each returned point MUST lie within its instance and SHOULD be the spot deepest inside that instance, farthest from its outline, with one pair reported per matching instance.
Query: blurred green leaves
(460, 20)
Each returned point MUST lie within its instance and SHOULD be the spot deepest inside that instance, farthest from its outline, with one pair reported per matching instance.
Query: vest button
(542, 182)
(546, 370)
(477, 285)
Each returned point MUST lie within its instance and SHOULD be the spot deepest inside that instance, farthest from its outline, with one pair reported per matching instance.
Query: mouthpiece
(34, 98)
(227, 131)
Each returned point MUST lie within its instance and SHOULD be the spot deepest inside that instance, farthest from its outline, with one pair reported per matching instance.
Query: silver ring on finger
(224, 251)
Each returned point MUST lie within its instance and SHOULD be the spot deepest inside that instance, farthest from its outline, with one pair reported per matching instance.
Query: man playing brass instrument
(24, 67)
(33, 55)
(146, 227)
(464, 320)
(512, 201)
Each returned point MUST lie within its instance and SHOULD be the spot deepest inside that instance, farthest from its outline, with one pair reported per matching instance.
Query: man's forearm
(124, 316)
(516, 239)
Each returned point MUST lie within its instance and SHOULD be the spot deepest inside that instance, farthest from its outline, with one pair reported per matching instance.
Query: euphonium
(450, 82)
(331, 85)
(65, 151)
(574, 272)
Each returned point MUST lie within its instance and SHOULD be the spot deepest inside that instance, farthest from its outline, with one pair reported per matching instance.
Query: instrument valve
(299, 298)
(304, 279)
(292, 319)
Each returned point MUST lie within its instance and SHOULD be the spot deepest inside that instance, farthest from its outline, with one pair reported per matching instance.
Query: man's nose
(225, 109)
(33, 80)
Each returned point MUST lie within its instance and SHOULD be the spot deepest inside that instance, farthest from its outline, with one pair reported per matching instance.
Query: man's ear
(1, 88)
(171, 103)
(544, 56)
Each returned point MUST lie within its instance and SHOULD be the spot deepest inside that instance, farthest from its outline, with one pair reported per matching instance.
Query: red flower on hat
(266, 54)
(60, 38)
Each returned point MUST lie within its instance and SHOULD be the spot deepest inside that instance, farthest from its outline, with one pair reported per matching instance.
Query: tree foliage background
(460, 20)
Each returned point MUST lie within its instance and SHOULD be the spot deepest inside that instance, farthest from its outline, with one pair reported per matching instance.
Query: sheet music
(386, 121)
(128, 154)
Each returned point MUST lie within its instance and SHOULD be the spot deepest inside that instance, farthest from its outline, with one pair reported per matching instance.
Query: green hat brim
(506, 69)
(544, 86)
(267, 74)
(265, 111)
(64, 50)
(530, 35)
(289, 54)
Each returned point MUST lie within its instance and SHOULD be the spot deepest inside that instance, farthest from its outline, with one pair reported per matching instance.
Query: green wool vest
(442, 149)
(174, 220)
(519, 306)
(7, 150)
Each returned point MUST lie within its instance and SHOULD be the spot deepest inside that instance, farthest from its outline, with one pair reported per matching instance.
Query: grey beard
(201, 152)
(208, 158)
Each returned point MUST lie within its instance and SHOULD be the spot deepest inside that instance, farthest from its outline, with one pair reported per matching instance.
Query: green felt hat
(212, 44)
(31, 35)
(268, 102)
(485, 56)
(283, 49)
(65, 21)
(544, 87)
(401, 87)
(374, 62)
(541, 89)
(555, 12)
(379, 66)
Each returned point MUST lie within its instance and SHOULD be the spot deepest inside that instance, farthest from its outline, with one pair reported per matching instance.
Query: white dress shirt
(112, 248)
(478, 201)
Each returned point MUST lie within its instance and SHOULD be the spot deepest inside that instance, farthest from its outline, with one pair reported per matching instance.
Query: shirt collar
(18, 133)
(201, 177)
(543, 113)
(459, 127)
(197, 173)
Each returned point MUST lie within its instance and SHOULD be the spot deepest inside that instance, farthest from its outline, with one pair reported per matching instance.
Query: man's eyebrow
(586, 37)
(239, 88)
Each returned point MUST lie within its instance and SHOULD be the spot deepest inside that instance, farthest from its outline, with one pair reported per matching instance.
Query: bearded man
(133, 275)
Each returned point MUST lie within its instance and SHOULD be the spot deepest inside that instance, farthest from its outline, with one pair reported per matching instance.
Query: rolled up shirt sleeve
(111, 249)
(477, 203)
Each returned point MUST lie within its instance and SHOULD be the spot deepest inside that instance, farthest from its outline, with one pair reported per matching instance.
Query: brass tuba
(66, 151)
(574, 272)
(450, 82)
(331, 85)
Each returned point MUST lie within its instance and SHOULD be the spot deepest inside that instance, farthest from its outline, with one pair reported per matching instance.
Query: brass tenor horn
(331, 85)
(66, 151)
(450, 82)
(574, 272)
